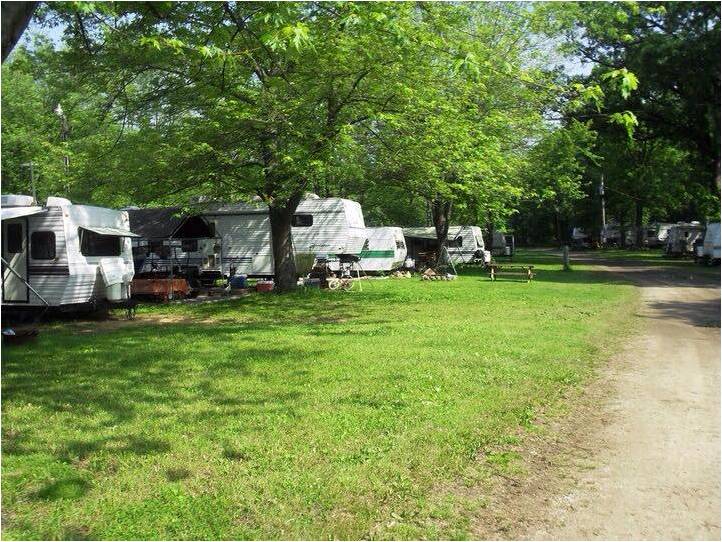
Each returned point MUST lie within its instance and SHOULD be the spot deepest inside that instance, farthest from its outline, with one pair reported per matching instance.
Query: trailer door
(15, 257)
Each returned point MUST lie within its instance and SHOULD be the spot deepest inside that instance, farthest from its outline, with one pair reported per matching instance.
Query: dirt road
(649, 466)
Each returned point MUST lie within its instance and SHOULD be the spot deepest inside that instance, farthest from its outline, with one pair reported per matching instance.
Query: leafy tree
(254, 94)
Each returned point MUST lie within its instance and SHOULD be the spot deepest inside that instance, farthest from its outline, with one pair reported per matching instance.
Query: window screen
(302, 221)
(95, 244)
(14, 233)
(42, 245)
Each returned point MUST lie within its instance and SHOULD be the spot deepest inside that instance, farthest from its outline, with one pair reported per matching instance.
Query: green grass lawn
(312, 415)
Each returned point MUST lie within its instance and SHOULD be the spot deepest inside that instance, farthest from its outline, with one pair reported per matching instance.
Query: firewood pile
(401, 275)
(430, 274)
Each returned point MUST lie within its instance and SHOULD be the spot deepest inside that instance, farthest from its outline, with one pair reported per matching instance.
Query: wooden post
(565, 258)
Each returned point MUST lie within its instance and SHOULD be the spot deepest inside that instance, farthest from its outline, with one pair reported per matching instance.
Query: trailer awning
(17, 212)
(117, 232)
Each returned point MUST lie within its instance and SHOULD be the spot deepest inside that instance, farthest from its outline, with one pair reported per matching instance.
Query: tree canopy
(424, 112)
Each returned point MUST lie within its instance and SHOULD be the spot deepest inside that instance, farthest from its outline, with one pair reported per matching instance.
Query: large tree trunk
(638, 226)
(281, 218)
(558, 226)
(440, 211)
(490, 234)
(623, 230)
(15, 19)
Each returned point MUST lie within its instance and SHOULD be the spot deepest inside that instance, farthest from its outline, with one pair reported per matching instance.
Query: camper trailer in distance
(63, 255)
(385, 251)
(465, 244)
(503, 244)
(174, 243)
(320, 226)
(711, 244)
(657, 233)
(681, 238)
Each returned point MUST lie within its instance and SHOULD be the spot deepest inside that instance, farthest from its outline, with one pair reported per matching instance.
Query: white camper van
(681, 238)
(321, 226)
(465, 243)
(711, 245)
(63, 255)
(385, 250)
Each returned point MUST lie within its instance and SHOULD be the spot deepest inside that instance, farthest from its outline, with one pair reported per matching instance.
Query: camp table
(520, 270)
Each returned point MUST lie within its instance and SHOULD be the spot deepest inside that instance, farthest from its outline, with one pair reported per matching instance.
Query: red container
(264, 286)
(160, 288)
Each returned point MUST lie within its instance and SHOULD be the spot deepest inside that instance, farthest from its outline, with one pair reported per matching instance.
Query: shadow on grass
(68, 488)
(127, 377)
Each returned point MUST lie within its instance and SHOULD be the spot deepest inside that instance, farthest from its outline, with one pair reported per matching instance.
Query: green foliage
(393, 104)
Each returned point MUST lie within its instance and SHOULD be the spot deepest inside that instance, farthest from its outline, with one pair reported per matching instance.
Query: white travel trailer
(657, 233)
(386, 249)
(321, 226)
(63, 255)
(711, 245)
(681, 238)
(503, 244)
(580, 238)
(465, 243)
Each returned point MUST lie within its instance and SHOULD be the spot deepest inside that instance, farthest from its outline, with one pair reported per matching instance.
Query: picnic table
(496, 270)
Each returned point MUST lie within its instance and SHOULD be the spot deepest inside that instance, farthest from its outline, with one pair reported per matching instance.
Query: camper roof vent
(311, 195)
(16, 200)
(54, 201)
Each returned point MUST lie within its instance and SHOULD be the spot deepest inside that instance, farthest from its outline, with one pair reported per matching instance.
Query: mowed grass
(312, 415)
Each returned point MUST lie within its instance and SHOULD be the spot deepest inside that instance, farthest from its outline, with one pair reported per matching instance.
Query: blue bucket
(239, 281)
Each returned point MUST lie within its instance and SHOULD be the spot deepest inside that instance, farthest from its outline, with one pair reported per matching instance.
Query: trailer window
(95, 244)
(455, 243)
(14, 233)
(189, 245)
(42, 245)
(302, 221)
(400, 244)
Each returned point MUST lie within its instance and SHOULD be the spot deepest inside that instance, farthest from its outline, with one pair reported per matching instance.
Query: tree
(15, 19)
(673, 48)
(254, 93)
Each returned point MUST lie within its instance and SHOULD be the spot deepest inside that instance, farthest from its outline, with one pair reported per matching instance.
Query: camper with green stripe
(384, 250)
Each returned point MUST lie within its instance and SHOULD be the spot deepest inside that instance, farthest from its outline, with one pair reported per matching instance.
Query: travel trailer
(681, 238)
(580, 238)
(323, 227)
(171, 242)
(502, 244)
(657, 233)
(62, 255)
(711, 244)
(611, 236)
(465, 244)
(385, 250)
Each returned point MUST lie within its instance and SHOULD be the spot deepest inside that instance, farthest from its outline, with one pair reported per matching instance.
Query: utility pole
(604, 210)
(32, 179)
